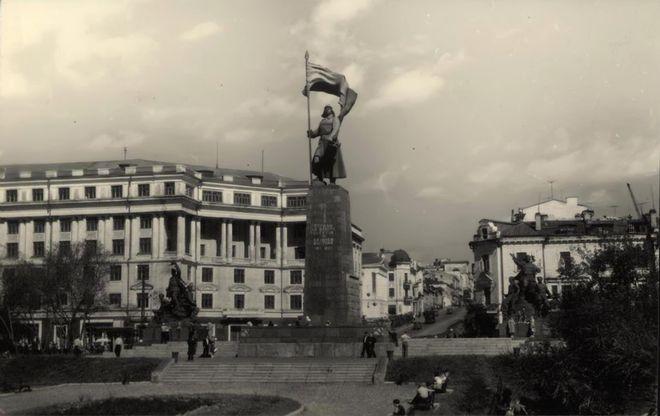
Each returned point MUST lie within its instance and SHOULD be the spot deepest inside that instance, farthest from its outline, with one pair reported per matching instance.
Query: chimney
(539, 221)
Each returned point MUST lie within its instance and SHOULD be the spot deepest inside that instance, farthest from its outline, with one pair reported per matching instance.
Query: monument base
(310, 341)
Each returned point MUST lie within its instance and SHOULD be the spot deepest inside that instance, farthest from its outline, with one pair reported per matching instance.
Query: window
(65, 247)
(269, 302)
(268, 201)
(12, 227)
(143, 272)
(391, 276)
(207, 274)
(373, 283)
(391, 292)
(207, 300)
(37, 194)
(117, 223)
(143, 300)
(241, 198)
(212, 196)
(65, 226)
(116, 191)
(12, 195)
(39, 227)
(239, 301)
(299, 230)
(39, 249)
(114, 299)
(202, 249)
(90, 192)
(269, 277)
(262, 252)
(189, 191)
(90, 246)
(299, 253)
(391, 309)
(118, 247)
(92, 224)
(170, 188)
(12, 250)
(295, 302)
(485, 263)
(143, 189)
(63, 193)
(63, 299)
(296, 201)
(296, 277)
(555, 289)
(145, 223)
(145, 245)
(239, 275)
(115, 272)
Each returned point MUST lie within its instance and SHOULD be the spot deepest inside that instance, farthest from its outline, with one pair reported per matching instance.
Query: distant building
(375, 286)
(550, 242)
(404, 282)
(239, 236)
(554, 209)
(448, 282)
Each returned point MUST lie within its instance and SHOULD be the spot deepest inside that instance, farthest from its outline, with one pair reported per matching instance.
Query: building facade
(550, 243)
(375, 286)
(238, 236)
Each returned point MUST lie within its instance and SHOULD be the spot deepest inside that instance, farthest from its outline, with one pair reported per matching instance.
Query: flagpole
(309, 117)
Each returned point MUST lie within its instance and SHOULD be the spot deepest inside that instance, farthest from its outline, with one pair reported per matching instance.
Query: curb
(54, 386)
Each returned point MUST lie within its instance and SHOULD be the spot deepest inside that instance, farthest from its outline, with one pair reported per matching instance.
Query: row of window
(295, 276)
(295, 301)
(144, 190)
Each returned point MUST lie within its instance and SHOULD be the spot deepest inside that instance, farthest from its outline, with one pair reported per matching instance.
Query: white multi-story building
(238, 236)
(375, 286)
(549, 242)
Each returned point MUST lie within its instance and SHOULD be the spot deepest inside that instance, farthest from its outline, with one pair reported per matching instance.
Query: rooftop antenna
(125, 152)
(217, 162)
(262, 163)
(652, 198)
(552, 192)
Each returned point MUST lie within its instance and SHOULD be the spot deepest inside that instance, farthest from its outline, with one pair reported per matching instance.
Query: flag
(322, 79)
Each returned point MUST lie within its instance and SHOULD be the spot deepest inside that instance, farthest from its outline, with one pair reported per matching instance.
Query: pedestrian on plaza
(399, 410)
(365, 339)
(164, 333)
(270, 323)
(404, 344)
(77, 347)
(192, 345)
(511, 324)
(205, 348)
(371, 346)
(119, 342)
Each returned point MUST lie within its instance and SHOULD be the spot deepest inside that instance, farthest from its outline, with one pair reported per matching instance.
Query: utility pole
(262, 164)
(552, 192)
(217, 152)
(125, 152)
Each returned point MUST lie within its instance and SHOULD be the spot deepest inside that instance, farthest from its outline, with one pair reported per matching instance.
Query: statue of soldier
(328, 161)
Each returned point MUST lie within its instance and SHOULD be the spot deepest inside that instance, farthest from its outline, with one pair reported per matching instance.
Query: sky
(466, 109)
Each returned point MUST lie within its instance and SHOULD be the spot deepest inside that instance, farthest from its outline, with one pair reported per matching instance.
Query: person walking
(399, 410)
(365, 342)
(371, 346)
(192, 345)
(404, 344)
(164, 333)
(119, 343)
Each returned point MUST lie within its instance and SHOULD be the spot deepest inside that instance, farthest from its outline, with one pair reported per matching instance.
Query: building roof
(399, 256)
(575, 227)
(371, 258)
(142, 166)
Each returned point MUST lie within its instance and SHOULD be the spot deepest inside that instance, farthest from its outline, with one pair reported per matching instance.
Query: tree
(610, 327)
(73, 286)
(20, 298)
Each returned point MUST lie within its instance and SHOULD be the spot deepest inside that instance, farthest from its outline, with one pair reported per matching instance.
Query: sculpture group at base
(527, 294)
(179, 301)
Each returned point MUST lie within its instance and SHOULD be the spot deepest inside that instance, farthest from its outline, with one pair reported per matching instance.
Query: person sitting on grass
(399, 410)
(440, 381)
(423, 400)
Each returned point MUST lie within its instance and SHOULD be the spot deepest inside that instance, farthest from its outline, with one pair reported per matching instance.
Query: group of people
(425, 395)
(368, 345)
(208, 344)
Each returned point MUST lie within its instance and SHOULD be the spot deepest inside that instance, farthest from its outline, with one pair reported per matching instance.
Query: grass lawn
(472, 382)
(43, 370)
(192, 405)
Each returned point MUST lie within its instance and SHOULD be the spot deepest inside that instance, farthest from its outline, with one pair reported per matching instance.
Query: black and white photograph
(329, 207)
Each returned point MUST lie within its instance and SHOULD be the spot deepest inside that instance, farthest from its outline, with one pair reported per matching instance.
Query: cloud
(107, 141)
(354, 75)
(431, 192)
(408, 88)
(201, 31)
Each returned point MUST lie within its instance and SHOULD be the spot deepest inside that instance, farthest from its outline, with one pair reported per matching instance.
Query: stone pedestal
(332, 291)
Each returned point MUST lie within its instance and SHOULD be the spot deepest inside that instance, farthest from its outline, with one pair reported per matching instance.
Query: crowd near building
(552, 233)
(238, 236)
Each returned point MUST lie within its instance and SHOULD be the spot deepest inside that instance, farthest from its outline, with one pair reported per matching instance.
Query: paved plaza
(318, 399)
